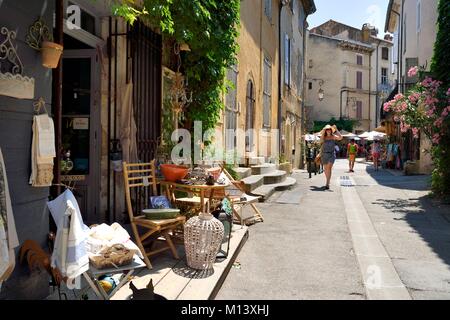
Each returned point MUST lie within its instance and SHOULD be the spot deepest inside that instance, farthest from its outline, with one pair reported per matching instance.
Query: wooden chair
(142, 178)
(240, 199)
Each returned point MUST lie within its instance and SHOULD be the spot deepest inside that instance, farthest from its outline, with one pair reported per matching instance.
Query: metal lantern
(115, 155)
(203, 235)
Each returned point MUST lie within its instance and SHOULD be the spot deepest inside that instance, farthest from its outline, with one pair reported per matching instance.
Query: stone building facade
(353, 68)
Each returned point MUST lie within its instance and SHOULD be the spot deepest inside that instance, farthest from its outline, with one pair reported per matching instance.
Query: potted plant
(284, 165)
(51, 53)
(40, 38)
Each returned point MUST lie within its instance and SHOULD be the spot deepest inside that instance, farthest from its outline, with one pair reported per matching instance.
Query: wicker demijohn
(203, 237)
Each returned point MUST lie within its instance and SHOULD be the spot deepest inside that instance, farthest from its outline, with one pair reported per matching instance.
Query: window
(359, 80)
(267, 93)
(287, 60)
(268, 9)
(310, 86)
(359, 60)
(384, 77)
(419, 15)
(385, 53)
(359, 110)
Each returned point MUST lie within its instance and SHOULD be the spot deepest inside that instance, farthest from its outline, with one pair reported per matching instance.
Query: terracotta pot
(173, 172)
(51, 53)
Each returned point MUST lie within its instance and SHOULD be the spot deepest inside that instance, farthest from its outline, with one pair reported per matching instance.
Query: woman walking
(329, 136)
(376, 150)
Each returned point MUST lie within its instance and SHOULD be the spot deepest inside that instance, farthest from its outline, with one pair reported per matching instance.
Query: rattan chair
(141, 179)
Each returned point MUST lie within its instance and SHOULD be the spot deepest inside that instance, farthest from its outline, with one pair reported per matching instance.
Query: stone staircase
(264, 179)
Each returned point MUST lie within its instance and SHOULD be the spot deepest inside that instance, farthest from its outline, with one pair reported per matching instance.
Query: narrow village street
(317, 244)
(159, 150)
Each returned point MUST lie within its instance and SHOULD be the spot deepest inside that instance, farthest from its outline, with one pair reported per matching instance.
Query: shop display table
(93, 274)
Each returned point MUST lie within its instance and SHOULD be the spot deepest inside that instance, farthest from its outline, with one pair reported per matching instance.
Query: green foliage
(440, 69)
(441, 60)
(210, 28)
(231, 171)
(343, 124)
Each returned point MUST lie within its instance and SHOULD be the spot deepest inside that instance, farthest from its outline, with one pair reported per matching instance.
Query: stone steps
(264, 179)
(266, 190)
(243, 172)
(256, 161)
(254, 181)
(263, 169)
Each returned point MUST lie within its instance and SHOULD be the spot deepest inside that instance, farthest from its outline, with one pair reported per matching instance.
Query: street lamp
(321, 93)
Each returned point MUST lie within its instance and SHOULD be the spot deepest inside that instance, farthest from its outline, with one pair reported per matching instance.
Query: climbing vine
(210, 28)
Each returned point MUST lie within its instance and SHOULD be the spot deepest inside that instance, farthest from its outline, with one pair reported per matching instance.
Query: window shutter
(385, 53)
(359, 60)
(359, 110)
(359, 80)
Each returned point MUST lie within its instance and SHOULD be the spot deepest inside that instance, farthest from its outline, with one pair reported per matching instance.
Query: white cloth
(8, 234)
(42, 151)
(69, 254)
(104, 236)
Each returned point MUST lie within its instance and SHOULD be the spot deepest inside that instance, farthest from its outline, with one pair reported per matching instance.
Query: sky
(351, 12)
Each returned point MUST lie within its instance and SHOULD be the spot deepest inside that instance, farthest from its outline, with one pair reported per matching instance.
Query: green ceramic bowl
(159, 214)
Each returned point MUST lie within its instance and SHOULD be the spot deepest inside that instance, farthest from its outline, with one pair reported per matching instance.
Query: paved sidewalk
(317, 244)
(303, 250)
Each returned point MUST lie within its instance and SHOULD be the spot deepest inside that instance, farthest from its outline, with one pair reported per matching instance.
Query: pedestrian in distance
(329, 136)
(376, 151)
(352, 151)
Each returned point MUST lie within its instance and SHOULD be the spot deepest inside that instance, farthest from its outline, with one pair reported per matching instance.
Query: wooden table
(203, 191)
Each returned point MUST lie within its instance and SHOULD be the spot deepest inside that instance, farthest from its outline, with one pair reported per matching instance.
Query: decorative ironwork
(38, 33)
(8, 54)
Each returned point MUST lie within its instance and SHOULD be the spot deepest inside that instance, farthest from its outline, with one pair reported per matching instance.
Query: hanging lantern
(179, 98)
(115, 155)
(203, 235)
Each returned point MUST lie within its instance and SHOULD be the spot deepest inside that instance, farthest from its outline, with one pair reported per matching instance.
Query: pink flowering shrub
(425, 108)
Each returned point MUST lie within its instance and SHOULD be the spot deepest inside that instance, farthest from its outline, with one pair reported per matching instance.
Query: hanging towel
(8, 233)
(42, 151)
(69, 254)
(127, 125)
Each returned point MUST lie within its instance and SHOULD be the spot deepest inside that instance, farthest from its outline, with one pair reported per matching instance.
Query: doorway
(80, 129)
(249, 117)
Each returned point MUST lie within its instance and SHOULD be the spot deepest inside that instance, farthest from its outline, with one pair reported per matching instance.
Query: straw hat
(333, 129)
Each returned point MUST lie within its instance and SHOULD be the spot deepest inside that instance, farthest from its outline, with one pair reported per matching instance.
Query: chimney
(365, 32)
(388, 37)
